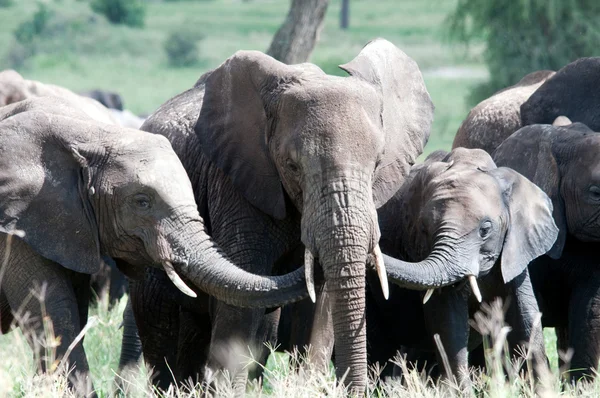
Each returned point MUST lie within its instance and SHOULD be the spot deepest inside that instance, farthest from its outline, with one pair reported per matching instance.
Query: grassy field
(94, 54)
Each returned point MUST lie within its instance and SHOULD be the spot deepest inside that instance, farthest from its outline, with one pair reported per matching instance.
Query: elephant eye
(142, 201)
(292, 166)
(485, 228)
(595, 192)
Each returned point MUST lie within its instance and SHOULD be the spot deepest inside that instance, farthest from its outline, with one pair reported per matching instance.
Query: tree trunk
(296, 38)
(345, 14)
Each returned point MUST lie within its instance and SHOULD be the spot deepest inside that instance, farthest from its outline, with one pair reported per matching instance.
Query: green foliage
(526, 35)
(127, 12)
(28, 30)
(181, 47)
(5, 3)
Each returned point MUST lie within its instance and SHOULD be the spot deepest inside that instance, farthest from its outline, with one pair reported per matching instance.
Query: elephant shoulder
(176, 118)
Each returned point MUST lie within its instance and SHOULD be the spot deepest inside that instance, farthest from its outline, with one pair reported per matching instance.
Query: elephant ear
(406, 111)
(232, 126)
(44, 188)
(531, 229)
(529, 152)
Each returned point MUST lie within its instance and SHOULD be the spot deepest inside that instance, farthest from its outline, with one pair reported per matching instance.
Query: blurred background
(149, 50)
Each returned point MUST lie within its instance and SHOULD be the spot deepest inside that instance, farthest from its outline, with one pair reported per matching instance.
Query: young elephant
(475, 212)
(494, 119)
(565, 163)
(73, 190)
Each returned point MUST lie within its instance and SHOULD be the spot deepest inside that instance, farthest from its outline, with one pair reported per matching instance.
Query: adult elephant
(496, 118)
(564, 162)
(73, 190)
(571, 92)
(284, 157)
(481, 214)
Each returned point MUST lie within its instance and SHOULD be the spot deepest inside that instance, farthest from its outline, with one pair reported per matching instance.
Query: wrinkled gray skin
(73, 190)
(494, 119)
(475, 212)
(565, 163)
(283, 156)
(571, 92)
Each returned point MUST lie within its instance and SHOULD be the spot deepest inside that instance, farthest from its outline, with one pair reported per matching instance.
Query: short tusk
(428, 295)
(561, 121)
(309, 274)
(177, 281)
(381, 272)
(475, 288)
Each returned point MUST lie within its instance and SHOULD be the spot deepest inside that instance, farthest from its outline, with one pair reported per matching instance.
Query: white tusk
(177, 281)
(561, 121)
(381, 272)
(309, 272)
(475, 288)
(428, 295)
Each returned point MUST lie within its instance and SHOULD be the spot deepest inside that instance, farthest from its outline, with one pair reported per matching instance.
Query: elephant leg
(447, 315)
(523, 317)
(584, 327)
(131, 346)
(193, 343)
(38, 289)
(477, 358)
(153, 300)
(267, 332)
(562, 345)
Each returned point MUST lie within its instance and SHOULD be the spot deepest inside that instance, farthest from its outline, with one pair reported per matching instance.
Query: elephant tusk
(381, 271)
(561, 121)
(475, 288)
(177, 281)
(428, 295)
(309, 272)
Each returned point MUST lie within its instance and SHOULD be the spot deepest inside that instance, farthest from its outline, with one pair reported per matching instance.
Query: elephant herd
(276, 203)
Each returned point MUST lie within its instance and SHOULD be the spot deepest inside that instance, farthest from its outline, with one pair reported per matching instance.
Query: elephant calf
(474, 213)
(565, 163)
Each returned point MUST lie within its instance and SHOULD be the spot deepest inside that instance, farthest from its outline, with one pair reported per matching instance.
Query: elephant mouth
(176, 279)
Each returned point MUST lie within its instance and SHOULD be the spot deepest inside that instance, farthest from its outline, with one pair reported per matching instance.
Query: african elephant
(472, 210)
(286, 159)
(565, 163)
(571, 92)
(108, 99)
(73, 190)
(14, 88)
(494, 119)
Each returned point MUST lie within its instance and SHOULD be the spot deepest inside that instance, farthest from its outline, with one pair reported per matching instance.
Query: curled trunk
(207, 267)
(444, 266)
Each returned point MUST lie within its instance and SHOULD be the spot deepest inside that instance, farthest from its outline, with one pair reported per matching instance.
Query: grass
(132, 61)
(18, 377)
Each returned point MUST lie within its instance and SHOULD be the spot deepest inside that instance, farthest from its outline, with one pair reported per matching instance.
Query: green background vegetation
(81, 50)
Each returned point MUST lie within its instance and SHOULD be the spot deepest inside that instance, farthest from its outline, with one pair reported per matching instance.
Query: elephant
(14, 88)
(571, 92)
(73, 190)
(496, 118)
(108, 99)
(288, 162)
(109, 281)
(563, 161)
(487, 215)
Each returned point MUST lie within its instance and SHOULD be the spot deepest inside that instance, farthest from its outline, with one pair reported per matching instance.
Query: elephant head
(563, 161)
(75, 190)
(463, 207)
(292, 138)
(571, 92)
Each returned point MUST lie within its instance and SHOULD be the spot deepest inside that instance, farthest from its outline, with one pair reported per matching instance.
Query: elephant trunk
(203, 263)
(445, 265)
(341, 229)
